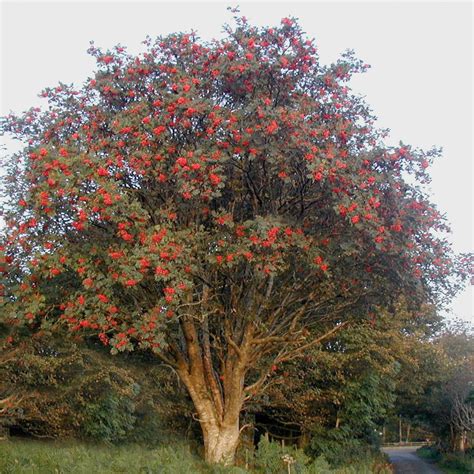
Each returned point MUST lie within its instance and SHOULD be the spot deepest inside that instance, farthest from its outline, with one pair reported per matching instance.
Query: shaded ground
(405, 461)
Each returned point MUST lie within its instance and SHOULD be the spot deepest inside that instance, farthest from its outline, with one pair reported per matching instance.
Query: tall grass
(36, 457)
(73, 457)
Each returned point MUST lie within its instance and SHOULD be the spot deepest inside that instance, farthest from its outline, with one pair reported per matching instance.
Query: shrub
(458, 462)
(373, 464)
(319, 466)
(110, 419)
(338, 448)
(429, 452)
(68, 390)
(270, 458)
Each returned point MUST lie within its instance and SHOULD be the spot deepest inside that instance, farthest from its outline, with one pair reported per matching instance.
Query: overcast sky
(420, 83)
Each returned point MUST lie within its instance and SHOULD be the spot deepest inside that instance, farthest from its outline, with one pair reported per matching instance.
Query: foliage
(93, 165)
(338, 448)
(318, 466)
(451, 463)
(270, 458)
(457, 463)
(429, 452)
(226, 205)
(441, 401)
(374, 463)
(63, 390)
(341, 392)
(111, 419)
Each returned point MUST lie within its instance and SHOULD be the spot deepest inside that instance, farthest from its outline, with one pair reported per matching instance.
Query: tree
(447, 406)
(340, 393)
(434, 387)
(461, 397)
(227, 205)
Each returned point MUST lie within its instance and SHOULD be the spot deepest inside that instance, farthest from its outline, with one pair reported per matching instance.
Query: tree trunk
(218, 399)
(462, 442)
(218, 407)
(220, 429)
(400, 433)
(220, 442)
(452, 438)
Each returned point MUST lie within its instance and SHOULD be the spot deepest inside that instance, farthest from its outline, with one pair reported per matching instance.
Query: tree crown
(236, 177)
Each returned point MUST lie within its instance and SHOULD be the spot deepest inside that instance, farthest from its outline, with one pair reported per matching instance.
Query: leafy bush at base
(339, 448)
(458, 463)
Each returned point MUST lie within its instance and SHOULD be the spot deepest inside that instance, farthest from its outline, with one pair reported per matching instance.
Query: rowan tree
(225, 204)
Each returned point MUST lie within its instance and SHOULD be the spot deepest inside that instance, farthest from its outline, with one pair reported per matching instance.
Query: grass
(45, 457)
(75, 457)
(449, 463)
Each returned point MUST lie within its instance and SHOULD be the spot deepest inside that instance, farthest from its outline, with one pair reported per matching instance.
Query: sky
(419, 85)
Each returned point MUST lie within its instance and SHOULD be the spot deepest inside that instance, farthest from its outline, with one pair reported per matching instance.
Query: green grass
(75, 457)
(449, 463)
(456, 463)
(45, 457)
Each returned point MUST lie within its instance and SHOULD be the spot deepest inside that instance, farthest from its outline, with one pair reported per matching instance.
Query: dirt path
(405, 461)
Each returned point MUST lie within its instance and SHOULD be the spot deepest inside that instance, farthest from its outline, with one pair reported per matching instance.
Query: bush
(338, 448)
(68, 390)
(429, 452)
(375, 464)
(110, 419)
(270, 458)
(458, 462)
(319, 466)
